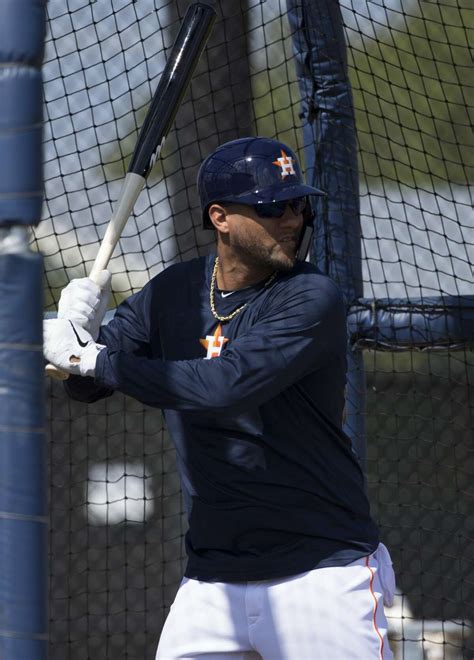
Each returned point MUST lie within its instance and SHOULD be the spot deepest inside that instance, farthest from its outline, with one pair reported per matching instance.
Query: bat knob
(55, 373)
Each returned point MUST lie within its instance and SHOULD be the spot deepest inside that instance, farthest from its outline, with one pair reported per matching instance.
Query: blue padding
(23, 524)
(21, 175)
(23, 577)
(21, 94)
(19, 649)
(22, 488)
(399, 325)
(23, 503)
(22, 31)
(330, 145)
(21, 394)
(330, 154)
(21, 293)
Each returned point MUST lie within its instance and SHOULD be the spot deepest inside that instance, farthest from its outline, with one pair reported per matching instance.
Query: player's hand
(85, 302)
(69, 347)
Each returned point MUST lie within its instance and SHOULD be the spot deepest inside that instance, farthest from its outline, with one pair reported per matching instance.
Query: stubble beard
(256, 254)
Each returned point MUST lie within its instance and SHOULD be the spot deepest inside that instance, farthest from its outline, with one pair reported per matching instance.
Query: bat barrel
(180, 65)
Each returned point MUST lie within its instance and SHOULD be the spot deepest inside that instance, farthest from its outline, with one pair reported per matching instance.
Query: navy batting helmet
(254, 170)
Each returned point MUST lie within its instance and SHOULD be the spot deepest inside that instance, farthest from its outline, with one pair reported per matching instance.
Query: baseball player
(244, 350)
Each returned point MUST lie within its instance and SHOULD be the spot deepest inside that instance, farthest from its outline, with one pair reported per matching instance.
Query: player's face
(265, 242)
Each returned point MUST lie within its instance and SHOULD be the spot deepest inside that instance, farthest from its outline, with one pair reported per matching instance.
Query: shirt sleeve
(298, 334)
(130, 329)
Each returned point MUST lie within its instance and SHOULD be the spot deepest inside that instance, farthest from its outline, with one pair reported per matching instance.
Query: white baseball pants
(325, 614)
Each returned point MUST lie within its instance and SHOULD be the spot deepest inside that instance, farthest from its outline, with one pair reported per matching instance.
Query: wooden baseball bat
(181, 63)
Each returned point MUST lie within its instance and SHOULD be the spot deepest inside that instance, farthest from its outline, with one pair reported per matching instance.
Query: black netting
(116, 515)
(117, 527)
(420, 466)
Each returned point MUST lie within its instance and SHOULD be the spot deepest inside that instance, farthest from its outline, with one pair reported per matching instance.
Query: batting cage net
(117, 521)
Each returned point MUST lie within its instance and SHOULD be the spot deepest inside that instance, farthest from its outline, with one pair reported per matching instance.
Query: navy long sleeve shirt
(270, 481)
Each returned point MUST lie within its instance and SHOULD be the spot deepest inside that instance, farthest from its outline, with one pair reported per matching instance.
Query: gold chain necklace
(212, 295)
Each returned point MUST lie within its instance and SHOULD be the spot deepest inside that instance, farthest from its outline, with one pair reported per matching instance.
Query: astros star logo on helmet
(285, 163)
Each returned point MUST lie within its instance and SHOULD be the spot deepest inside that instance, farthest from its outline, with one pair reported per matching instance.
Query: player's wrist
(69, 347)
(85, 364)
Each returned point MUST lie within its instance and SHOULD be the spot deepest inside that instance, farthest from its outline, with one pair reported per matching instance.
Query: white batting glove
(85, 302)
(69, 347)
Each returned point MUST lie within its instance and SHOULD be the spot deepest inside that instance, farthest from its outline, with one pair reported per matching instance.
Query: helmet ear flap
(306, 237)
(308, 213)
(305, 242)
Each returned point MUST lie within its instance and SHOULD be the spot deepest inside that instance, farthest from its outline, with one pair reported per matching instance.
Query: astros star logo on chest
(214, 343)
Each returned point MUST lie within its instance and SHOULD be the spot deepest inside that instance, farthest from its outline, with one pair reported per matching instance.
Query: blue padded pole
(23, 506)
(330, 153)
(436, 323)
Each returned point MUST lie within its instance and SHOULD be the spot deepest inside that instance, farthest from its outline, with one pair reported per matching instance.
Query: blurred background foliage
(411, 85)
(411, 89)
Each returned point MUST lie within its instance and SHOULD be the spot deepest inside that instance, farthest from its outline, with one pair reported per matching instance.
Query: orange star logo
(214, 343)
(285, 163)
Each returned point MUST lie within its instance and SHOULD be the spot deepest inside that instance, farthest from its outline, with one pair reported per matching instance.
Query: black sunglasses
(277, 209)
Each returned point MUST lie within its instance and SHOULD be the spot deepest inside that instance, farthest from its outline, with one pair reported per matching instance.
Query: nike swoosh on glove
(85, 302)
(69, 347)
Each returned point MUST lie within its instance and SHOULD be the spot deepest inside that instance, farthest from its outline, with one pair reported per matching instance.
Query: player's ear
(218, 217)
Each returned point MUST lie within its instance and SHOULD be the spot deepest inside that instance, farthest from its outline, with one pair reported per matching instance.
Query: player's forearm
(232, 383)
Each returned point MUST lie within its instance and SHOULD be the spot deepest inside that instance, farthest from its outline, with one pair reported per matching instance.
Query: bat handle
(131, 188)
(56, 374)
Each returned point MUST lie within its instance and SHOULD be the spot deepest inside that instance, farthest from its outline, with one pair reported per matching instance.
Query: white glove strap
(69, 347)
(86, 362)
